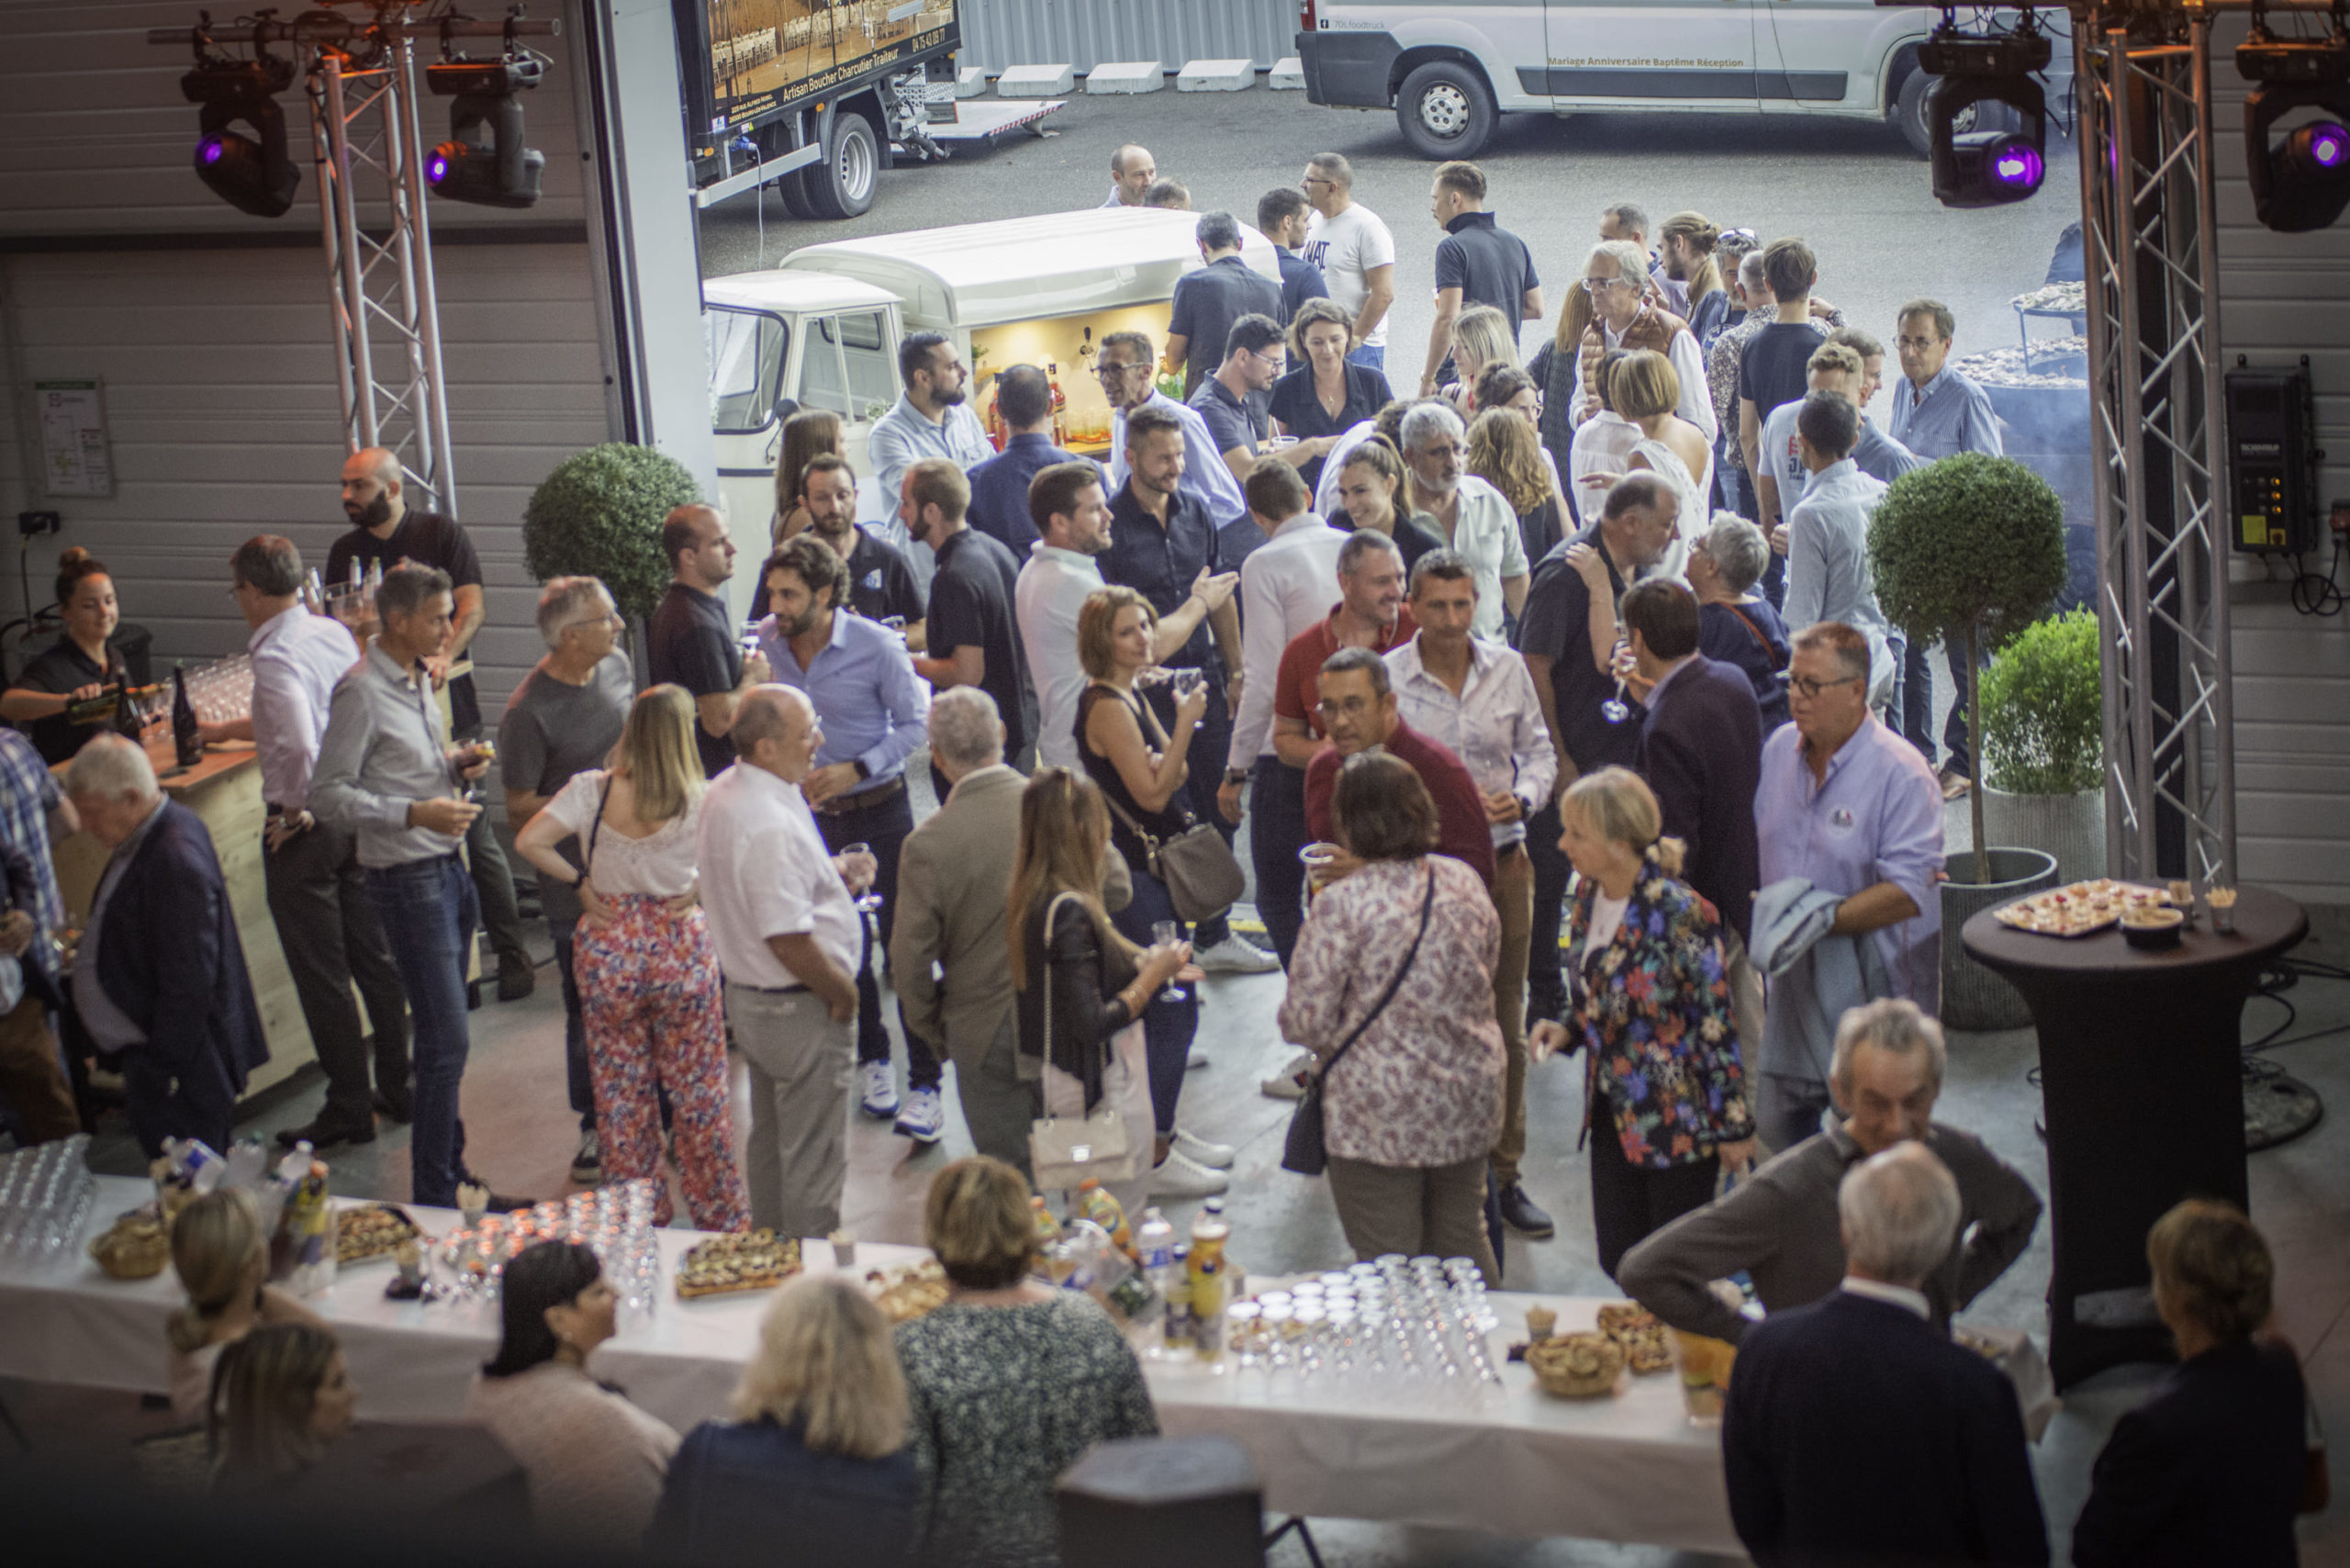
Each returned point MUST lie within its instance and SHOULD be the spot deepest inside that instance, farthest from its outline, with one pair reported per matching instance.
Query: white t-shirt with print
(1346, 248)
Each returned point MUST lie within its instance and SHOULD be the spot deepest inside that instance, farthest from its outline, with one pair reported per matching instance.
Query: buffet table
(1630, 1469)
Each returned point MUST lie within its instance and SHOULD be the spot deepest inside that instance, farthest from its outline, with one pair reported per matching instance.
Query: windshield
(746, 354)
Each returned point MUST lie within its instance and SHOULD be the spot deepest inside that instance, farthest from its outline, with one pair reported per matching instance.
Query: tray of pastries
(1646, 1347)
(909, 1290)
(1576, 1366)
(366, 1232)
(724, 1265)
(2079, 909)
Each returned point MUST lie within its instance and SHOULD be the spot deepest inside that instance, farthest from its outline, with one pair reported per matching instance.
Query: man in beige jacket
(949, 957)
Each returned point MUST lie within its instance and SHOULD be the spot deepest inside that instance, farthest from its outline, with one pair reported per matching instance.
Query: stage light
(2299, 178)
(1975, 72)
(485, 159)
(247, 168)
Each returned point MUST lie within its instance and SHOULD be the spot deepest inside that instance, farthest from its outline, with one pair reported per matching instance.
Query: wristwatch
(1235, 775)
(863, 772)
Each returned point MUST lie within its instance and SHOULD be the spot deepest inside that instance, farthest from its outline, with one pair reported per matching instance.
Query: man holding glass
(1474, 695)
(875, 712)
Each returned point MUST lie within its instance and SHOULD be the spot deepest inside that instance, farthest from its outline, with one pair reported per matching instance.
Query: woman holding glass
(1665, 1091)
(80, 668)
(1325, 395)
(647, 971)
(1139, 766)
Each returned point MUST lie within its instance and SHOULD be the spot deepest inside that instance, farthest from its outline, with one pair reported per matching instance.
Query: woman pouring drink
(79, 670)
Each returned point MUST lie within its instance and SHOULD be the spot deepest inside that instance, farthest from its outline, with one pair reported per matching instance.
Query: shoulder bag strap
(1748, 621)
(1150, 841)
(1428, 905)
(603, 798)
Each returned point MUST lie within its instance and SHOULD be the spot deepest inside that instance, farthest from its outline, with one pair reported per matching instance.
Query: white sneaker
(1283, 1085)
(875, 1090)
(1200, 1151)
(1235, 955)
(588, 1165)
(1178, 1177)
(923, 1117)
(1197, 1059)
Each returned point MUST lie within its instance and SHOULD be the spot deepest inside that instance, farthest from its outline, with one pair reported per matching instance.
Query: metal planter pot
(1973, 997)
(2070, 827)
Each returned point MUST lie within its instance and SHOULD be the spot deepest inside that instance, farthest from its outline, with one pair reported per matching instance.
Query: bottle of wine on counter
(186, 739)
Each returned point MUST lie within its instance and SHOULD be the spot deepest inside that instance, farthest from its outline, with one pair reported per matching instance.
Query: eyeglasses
(1915, 343)
(1601, 285)
(613, 622)
(1112, 372)
(1352, 708)
(1308, 183)
(1810, 690)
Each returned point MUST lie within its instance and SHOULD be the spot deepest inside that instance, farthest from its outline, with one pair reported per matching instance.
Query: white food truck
(821, 331)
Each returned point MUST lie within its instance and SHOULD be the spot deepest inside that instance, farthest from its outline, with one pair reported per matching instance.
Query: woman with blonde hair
(816, 1453)
(221, 1256)
(1138, 762)
(1664, 1097)
(1482, 337)
(1009, 1382)
(809, 434)
(281, 1398)
(1327, 394)
(1644, 390)
(1505, 452)
(648, 974)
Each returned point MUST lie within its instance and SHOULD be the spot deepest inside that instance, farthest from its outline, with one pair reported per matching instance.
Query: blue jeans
(1374, 358)
(1914, 708)
(1276, 833)
(1167, 1026)
(428, 911)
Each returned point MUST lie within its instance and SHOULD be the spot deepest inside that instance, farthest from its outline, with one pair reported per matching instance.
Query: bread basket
(1576, 1366)
(136, 1247)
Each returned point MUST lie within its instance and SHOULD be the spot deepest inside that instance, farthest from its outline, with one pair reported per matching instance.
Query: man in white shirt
(1826, 538)
(1072, 521)
(786, 930)
(1602, 451)
(1475, 695)
(1355, 251)
(1127, 366)
(1475, 519)
(325, 921)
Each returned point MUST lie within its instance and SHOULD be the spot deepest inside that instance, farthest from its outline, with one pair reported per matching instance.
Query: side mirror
(784, 407)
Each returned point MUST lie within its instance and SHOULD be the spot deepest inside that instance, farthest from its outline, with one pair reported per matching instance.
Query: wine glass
(1167, 931)
(1614, 710)
(870, 899)
(1188, 681)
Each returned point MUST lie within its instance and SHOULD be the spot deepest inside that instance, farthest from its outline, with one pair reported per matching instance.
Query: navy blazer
(1856, 1433)
(734, 1492)
(1701, 750)
(169, 956)
(2207, 1470)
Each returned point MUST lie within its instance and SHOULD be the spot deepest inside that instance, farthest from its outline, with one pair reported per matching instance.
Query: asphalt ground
(1853, 188)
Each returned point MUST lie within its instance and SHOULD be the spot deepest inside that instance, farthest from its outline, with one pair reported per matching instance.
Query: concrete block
(1288, 71)
(1126, 76)
(970, 82)
(1036, 81)
(1216, 76)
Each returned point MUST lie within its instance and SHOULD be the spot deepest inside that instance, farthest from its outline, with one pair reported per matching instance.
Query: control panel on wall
(2272, 459)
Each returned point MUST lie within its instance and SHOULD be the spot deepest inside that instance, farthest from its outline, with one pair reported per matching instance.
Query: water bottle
(1155, 1246)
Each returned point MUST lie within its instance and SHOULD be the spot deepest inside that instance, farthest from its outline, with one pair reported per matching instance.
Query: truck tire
(1446, 110)
(842, 184)
(1909, 114)
(794, 187)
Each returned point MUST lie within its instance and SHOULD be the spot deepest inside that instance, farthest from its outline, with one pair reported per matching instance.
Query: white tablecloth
(1629, 1469)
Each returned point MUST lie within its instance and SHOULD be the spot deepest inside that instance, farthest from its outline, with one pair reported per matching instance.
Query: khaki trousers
(1413, 1209)
(801, 1065)
(1514, 899)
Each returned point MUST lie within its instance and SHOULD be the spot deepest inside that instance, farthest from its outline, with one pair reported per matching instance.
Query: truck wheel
(1446, 111)
(794, 187)
(842, 186)
(1909, 114)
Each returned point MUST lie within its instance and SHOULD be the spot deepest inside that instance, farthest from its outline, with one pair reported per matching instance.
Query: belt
(768, 990)
(840, 805)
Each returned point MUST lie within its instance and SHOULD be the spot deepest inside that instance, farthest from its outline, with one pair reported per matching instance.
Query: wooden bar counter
(225, 791)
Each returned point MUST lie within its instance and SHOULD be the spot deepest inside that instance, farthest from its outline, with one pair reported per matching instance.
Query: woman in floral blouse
(1416, 1104)
(1663, 1087)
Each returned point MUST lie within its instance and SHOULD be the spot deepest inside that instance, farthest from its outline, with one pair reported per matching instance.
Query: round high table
(2141, 1076)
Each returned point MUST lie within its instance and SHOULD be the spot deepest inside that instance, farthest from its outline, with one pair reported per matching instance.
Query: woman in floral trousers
(648, 974)
(1666, 1094)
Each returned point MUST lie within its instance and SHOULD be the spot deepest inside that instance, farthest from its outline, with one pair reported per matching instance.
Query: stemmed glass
(1614, 710)
(869, 900)
(1188, 681)
(1166, 931)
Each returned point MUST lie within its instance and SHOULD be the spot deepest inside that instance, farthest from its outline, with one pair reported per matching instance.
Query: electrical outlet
(2338, 517)
(32, 523)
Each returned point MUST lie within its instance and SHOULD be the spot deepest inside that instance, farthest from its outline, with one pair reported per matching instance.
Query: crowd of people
(1580, 652)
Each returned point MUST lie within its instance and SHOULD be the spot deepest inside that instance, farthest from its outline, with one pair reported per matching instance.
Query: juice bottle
(1094, 1202)
(1048, 1229)
(1205, 1268)
(1178, 1332)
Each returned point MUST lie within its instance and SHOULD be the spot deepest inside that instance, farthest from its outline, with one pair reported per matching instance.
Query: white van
(1450, 71)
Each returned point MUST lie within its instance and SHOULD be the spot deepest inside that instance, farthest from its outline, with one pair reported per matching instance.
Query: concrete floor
(520, 1134)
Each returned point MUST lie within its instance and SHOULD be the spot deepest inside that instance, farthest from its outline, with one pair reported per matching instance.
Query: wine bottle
(186, 739)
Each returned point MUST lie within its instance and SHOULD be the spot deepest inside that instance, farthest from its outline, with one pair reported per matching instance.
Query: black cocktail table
(2141, 1078)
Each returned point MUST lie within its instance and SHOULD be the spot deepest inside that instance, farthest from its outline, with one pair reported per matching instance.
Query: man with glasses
(1356, 708)
(1127, 368)
(1849, 807)
(1232, 402)
(1355, 251)
(565, 718)
(1477, 522)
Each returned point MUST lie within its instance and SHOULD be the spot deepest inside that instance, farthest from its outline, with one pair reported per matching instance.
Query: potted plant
(2044, 743)
(599, 515)
(1971, 549)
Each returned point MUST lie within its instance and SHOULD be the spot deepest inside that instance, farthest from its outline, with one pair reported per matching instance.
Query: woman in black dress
(1370, 486)
(1325, 394)
(83, 665)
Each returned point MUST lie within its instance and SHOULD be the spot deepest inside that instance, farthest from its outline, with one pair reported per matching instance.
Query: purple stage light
(2329, 145)
(2019, 167)
(436, 169)
(210, 150)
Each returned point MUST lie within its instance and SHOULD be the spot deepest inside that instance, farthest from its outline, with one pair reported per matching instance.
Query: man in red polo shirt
(1358, 708)
(1371, 613)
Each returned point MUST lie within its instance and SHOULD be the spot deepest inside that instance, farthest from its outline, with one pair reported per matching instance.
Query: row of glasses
(222, 691)
(46, 1195)
(614, 1222)
(1393, 1325)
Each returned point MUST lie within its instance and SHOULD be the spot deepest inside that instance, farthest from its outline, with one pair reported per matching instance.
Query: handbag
(1306, 1149)
(1064, 1151)
(1202, 875)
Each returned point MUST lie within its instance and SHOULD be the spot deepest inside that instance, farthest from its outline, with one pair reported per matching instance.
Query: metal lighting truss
(2144, 78)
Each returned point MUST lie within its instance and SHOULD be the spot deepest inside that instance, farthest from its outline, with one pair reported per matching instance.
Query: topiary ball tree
(600, 514)
(2044, 708)
(1969, 549)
